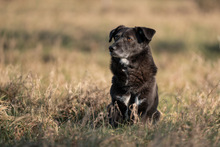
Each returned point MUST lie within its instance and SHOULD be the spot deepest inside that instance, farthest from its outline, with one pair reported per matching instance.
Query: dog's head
(129, 41)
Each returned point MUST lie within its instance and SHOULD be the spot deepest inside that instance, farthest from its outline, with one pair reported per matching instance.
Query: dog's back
(134, 74)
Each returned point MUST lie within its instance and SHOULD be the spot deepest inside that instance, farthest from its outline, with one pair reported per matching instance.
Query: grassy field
(55, 77)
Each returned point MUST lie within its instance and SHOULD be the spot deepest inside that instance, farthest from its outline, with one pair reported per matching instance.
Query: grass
(55, 77)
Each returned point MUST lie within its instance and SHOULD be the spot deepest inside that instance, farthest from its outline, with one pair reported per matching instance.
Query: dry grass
(55, 77)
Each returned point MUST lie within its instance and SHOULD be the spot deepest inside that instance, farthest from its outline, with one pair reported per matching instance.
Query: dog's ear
(145, 34)
(114, 32)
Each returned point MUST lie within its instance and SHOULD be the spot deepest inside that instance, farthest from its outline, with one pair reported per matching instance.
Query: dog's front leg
(119, 106)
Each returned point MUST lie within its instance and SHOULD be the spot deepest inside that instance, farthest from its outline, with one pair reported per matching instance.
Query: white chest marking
(138, 102)
(124, 98)
(124, 61)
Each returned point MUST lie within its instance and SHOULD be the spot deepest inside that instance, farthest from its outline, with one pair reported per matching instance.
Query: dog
(133, 83)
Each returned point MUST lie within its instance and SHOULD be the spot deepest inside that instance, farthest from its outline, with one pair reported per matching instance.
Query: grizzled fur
(134, 74)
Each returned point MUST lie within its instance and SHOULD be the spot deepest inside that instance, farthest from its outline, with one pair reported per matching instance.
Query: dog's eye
(129, 38)
(116, 37)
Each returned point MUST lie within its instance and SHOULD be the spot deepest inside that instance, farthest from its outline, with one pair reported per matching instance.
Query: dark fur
(135, 77)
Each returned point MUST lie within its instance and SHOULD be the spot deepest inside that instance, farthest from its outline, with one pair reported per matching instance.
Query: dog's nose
(111, 48)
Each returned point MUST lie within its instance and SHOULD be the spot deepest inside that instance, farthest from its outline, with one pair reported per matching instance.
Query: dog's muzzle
(111, 49)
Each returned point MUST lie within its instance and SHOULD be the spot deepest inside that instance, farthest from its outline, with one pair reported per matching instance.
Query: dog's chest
(125, 63)
(129, 99)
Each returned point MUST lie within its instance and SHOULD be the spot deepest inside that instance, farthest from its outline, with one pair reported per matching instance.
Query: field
(55, 76)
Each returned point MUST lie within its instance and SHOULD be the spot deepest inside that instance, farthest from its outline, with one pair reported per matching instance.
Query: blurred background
(41, 36)
(84, 25)
(71, 37)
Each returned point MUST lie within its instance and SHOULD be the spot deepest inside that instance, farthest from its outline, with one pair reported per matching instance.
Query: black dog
(134, 70)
